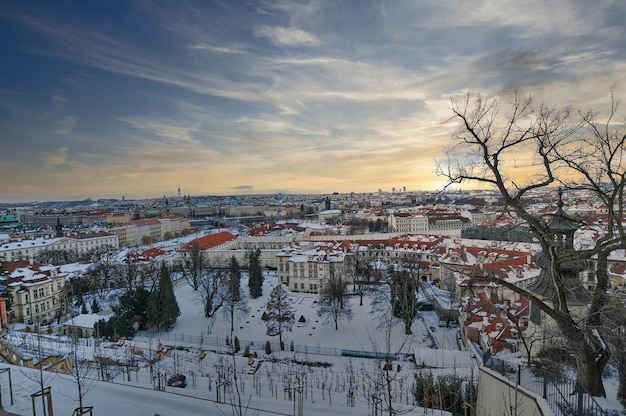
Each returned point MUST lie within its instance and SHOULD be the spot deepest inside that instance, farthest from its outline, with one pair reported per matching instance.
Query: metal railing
(225, 345)
(563, 393)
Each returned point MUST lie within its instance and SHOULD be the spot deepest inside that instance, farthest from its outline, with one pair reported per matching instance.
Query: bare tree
(194, 265)
(213, 294)
(383, 377)
(531, 146)
(84, 371)
(128, 272)
(333, 301)
(42, 378)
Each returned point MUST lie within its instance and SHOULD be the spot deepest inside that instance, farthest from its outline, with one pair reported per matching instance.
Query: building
(80, 243)
(307, 266)
(8, 221)
(408, 222)
(36, 292)
(140, 232)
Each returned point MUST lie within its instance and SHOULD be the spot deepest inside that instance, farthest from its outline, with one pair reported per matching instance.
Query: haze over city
(133, 98)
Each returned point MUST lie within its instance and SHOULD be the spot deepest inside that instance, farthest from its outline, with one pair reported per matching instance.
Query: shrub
(268, 348)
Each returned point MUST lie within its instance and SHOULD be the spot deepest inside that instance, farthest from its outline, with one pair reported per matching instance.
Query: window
(27, 311)
(301, 285)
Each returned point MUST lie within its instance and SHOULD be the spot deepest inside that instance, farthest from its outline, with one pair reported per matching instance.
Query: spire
(59, 228)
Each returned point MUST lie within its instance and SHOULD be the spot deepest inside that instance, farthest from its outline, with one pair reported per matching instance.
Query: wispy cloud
(56, 158)
(287, 36)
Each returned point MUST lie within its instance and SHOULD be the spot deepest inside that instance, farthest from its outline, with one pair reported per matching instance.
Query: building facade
(37, 293)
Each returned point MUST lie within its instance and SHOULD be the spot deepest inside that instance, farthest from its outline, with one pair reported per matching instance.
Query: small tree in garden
(95, 307)
(333, 300)
(163, 309)
(236, 345)
(280, 313)
(268, 348)
(234, 305)
(255, 271)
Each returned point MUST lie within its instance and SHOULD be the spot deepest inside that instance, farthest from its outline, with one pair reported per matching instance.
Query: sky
(134, 98)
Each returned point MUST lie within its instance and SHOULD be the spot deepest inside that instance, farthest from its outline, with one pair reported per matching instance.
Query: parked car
(179, 380)
(425, 306)
(448, 322)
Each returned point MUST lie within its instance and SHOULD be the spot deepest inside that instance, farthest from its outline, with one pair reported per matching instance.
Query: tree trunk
(590, 363)
(590, 371)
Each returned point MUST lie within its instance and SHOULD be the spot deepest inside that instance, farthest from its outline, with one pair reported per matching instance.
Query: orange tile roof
(210, 241)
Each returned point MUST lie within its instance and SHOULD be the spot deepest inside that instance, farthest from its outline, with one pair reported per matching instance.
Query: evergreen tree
(234, 305)
(115, 327)
(280, 313)
(95, 307)
(162, 306)
(83, 308)
(255, 283)
(234, 282)
(133, 305)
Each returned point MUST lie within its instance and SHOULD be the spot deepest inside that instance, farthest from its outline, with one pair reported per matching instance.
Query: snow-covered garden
(320, 370)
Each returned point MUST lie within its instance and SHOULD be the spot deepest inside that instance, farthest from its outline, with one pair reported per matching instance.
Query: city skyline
(133, 98)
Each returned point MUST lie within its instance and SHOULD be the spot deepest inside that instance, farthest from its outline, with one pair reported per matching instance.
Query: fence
(564, 395)
(224, 344)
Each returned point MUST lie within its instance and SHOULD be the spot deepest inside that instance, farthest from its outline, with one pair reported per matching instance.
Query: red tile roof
(210, 241)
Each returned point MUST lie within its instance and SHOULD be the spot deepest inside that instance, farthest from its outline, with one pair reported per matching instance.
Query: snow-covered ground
(316, 363)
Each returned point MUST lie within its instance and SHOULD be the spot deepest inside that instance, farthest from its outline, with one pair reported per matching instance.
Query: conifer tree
(255, 283)
(280, 313)
(162, 305)
(235, 280)
(234, 304)
(95, 307)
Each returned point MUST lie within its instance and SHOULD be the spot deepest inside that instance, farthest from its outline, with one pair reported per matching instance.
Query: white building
(79, 243)
(307, 266)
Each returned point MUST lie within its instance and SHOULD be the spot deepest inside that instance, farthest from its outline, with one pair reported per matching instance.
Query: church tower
(59, 228)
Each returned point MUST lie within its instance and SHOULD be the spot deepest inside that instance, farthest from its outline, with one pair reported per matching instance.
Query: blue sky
(132, 98)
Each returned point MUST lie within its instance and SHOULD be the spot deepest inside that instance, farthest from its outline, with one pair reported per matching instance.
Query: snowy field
(316, 365)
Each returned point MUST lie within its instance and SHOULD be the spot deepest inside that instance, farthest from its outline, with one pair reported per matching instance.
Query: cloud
(287, 36)
(54, 159)
(244, 188)
(217, 49)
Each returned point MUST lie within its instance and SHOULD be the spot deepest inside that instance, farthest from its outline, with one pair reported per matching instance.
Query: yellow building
(37, 293)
